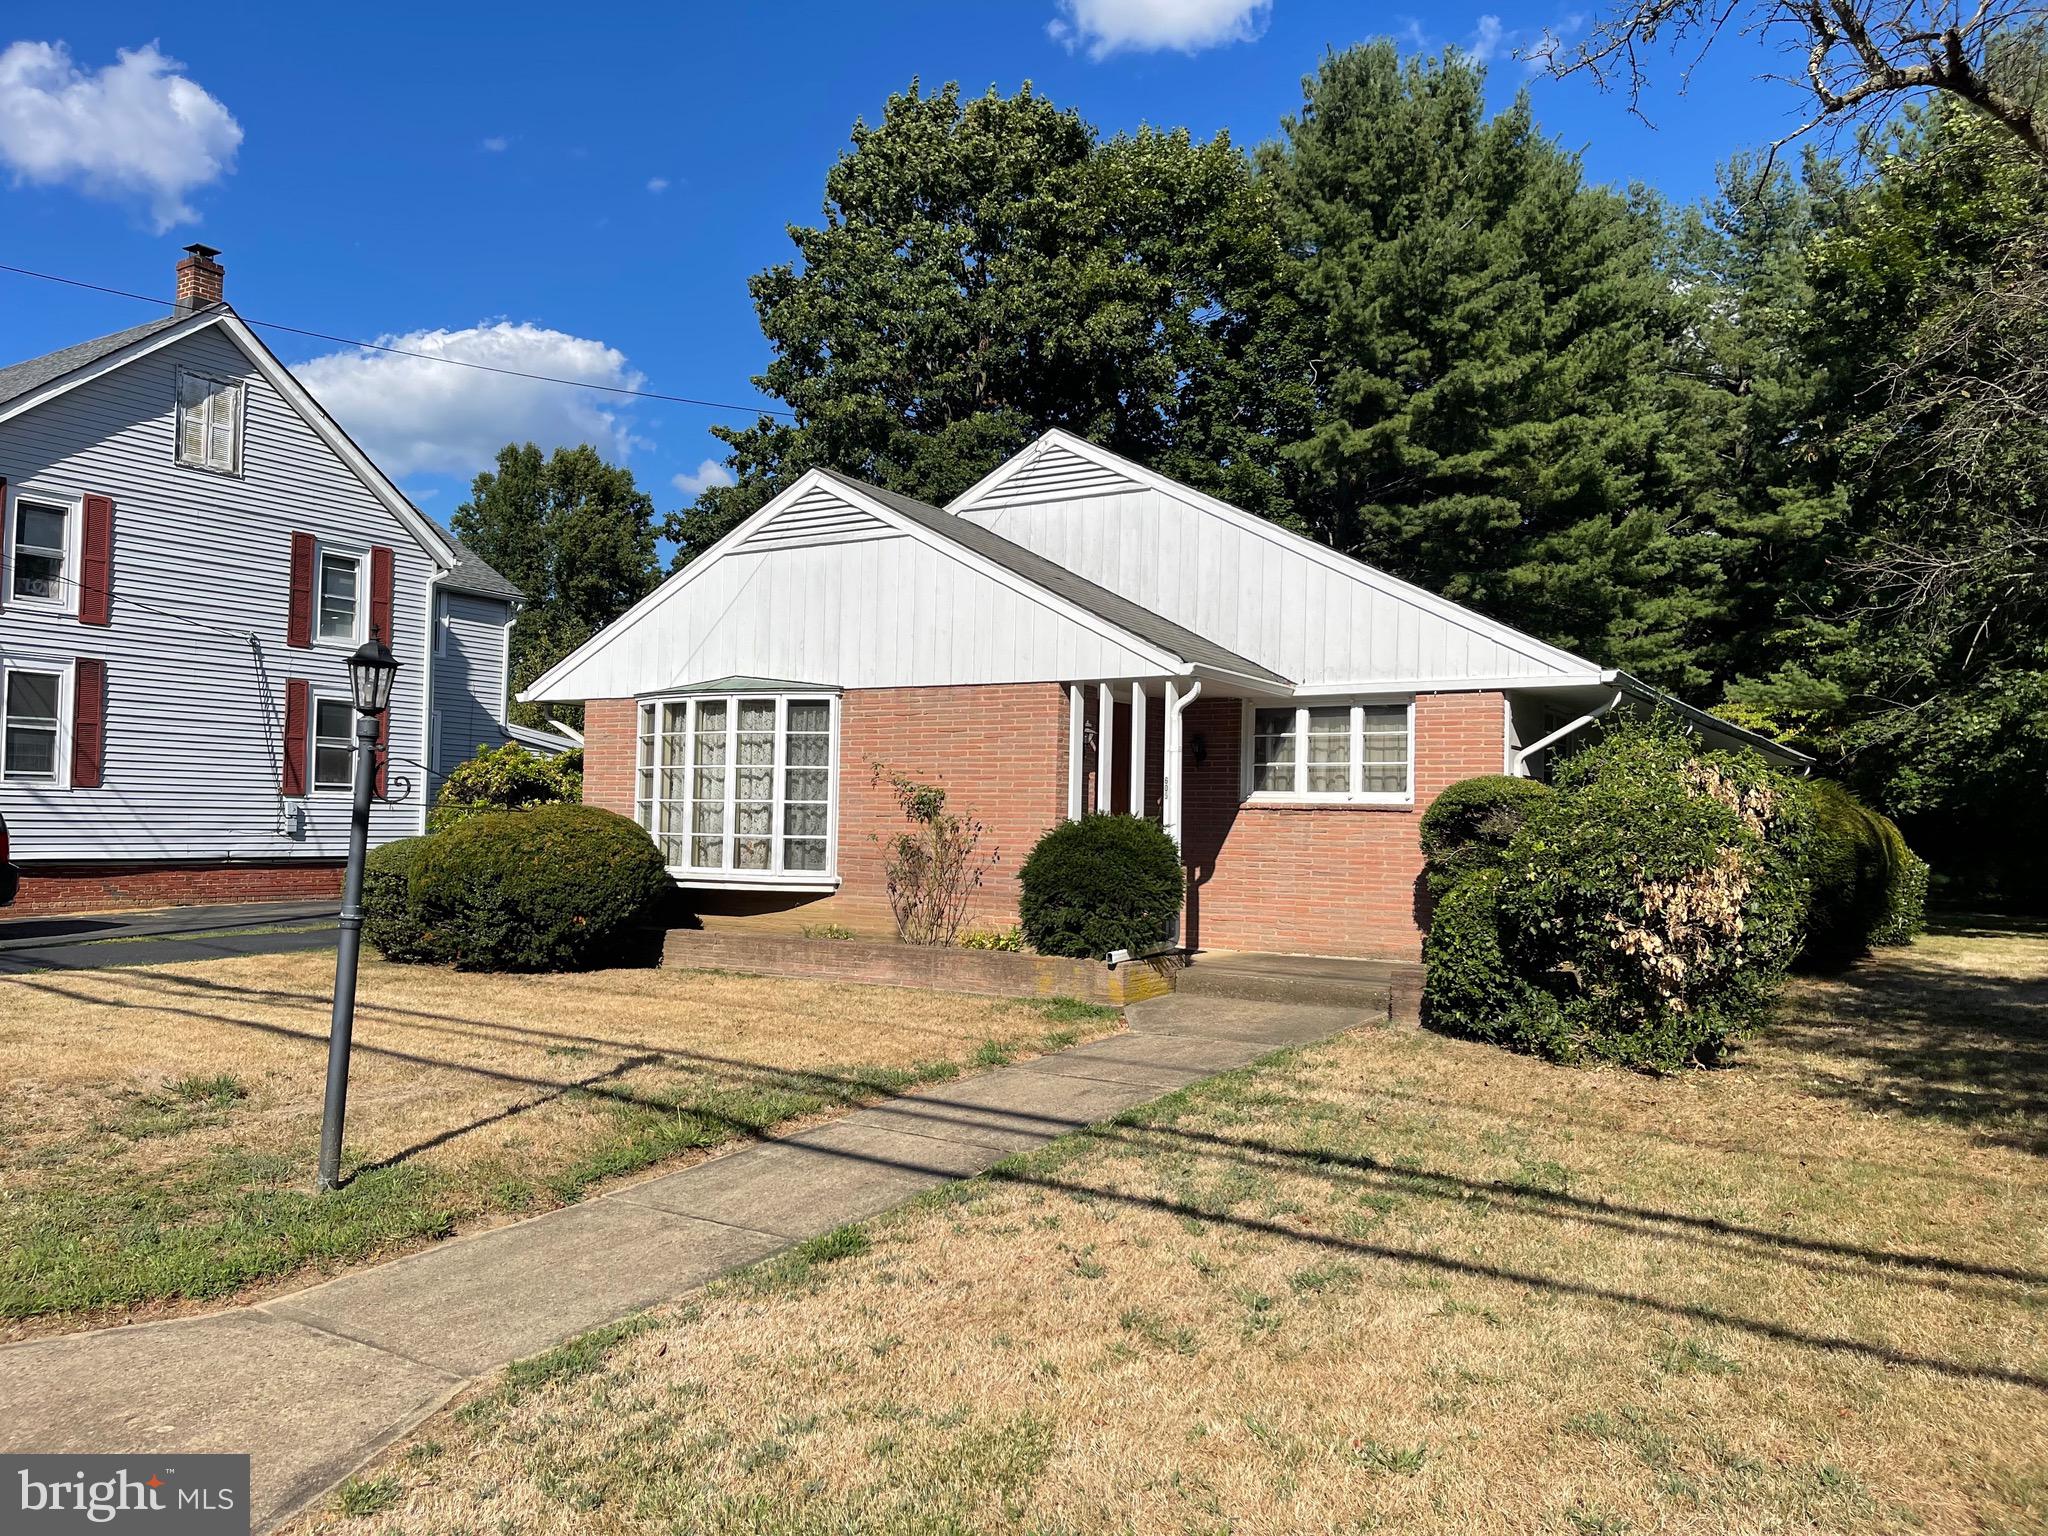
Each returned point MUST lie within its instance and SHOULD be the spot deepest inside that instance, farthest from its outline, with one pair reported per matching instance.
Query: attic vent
(1057, 474)
(816, 517)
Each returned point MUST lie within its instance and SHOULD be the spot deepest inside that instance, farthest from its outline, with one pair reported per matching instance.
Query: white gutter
(1520, 766)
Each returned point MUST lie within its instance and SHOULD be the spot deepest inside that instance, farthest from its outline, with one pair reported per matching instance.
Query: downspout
(1176, 764)
(1520, 768)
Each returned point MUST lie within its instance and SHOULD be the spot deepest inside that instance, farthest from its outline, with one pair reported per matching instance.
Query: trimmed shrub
(507, 778)
(1469, 826)
(1643, 914)
(1905, 916)
(1868, 887)
(388, 919)
(1100, 884)
(555, 888)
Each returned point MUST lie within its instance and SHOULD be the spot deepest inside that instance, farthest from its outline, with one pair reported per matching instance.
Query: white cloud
(1487, 38)
(657, 184)
(496, 144)
(136, 127)
(707, 474)
(1104, 27)
(413, 415)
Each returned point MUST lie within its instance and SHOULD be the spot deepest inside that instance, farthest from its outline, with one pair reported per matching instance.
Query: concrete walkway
(314, 1383)
(81, 941)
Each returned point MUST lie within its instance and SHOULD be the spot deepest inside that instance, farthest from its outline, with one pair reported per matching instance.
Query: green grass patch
(580, 1356)
(361, 1496)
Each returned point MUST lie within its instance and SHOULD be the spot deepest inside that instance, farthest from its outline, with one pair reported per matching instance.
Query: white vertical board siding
(469, 680)
(1281, 606)
(202, 561)
(876, 612)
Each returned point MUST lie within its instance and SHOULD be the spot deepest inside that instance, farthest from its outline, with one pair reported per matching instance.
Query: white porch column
(1169, 762)
(1137, 749)
(1105, 748)
(1077, 728)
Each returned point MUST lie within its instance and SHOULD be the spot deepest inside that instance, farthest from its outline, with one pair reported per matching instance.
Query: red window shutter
(298, 624)
(88, 723)
(96, 573)
(298, 706)
(380, 593)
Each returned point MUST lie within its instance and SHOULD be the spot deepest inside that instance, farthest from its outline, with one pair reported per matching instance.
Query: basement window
(1361, 754)
(739, 788)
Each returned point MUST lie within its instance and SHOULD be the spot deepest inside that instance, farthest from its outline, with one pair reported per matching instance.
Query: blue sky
(586, 190)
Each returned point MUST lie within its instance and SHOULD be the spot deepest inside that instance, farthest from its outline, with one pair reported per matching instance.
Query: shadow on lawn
(1920, 1039)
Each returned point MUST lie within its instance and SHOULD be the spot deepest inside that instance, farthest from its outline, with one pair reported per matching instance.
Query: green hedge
(507, 778)
(1099, 884)
(389, 921)
(1869, 888)
(1469, 826)
(558, 887)
(1644, 913)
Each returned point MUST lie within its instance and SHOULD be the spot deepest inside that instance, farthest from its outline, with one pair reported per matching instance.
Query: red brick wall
(1339, 880)
(610, 743)
(105, 887)
(999, 751)
(1334, 880)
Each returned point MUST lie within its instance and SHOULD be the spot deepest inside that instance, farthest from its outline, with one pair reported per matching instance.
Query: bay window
(1359, 753)
(738, 788)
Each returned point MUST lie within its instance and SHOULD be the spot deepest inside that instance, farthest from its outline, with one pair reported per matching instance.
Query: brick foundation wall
(1334, 880)
(999, 751)
(107, 886)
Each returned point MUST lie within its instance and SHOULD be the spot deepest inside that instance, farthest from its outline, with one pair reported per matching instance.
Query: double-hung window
(739, 787)
(1360, 753)
(334, 744)
(31, 724)
(40, 550)
(339, 597)
(209, 423)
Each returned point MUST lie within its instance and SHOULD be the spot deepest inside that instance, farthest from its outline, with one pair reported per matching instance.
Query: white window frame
(314, 738)
(1301, 794)
(72, 504)
(65, 671)
(442, 621)
(238, 395)
(323, 551)
(650, 765)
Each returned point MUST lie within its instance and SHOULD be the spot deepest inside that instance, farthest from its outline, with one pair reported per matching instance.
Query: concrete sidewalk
(314, 1383)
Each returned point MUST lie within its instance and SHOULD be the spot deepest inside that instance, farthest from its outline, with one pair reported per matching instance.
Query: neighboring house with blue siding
(191, 548)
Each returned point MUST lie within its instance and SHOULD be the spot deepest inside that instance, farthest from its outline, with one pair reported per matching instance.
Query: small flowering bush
(1644, 913)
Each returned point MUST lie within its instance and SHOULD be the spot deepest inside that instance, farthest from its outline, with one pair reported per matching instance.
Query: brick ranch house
(1073, 632)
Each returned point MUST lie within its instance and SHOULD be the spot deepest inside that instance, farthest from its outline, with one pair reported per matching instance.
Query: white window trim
(1300, 794)
(441, 623)
(240, 390)
(73, 503)
(648, 811)
(66, 671)
(313, 784)
(360, 554)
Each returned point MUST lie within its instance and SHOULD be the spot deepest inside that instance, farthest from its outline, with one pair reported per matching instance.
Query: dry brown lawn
(1394, 1282)
(158, 1125)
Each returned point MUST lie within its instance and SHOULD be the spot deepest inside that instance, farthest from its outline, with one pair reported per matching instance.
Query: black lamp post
(370, 673)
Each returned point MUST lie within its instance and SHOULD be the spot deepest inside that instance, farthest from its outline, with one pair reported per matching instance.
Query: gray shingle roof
(1133, 618)
(471, 574)
(20, 378)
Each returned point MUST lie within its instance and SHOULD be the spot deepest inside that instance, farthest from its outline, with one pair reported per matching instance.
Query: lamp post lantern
(370, 673)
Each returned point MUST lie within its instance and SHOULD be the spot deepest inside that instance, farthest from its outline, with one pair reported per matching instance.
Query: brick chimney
(200, 279)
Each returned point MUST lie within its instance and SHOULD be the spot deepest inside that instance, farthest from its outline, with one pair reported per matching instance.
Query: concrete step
(1371, 986)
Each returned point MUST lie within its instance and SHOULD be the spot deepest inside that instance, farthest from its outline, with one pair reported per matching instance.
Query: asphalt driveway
(89, 941)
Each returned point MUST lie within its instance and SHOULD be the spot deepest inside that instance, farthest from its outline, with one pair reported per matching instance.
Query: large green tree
(1491, 341)
(576, 536)
(989, 268)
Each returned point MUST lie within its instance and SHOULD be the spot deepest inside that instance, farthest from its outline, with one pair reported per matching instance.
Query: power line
(428, 357)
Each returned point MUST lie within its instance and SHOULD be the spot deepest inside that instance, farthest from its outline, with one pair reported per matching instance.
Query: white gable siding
(816, 517)
(1306, 614)
(202, 561)
(884, 611)
(469, 680)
